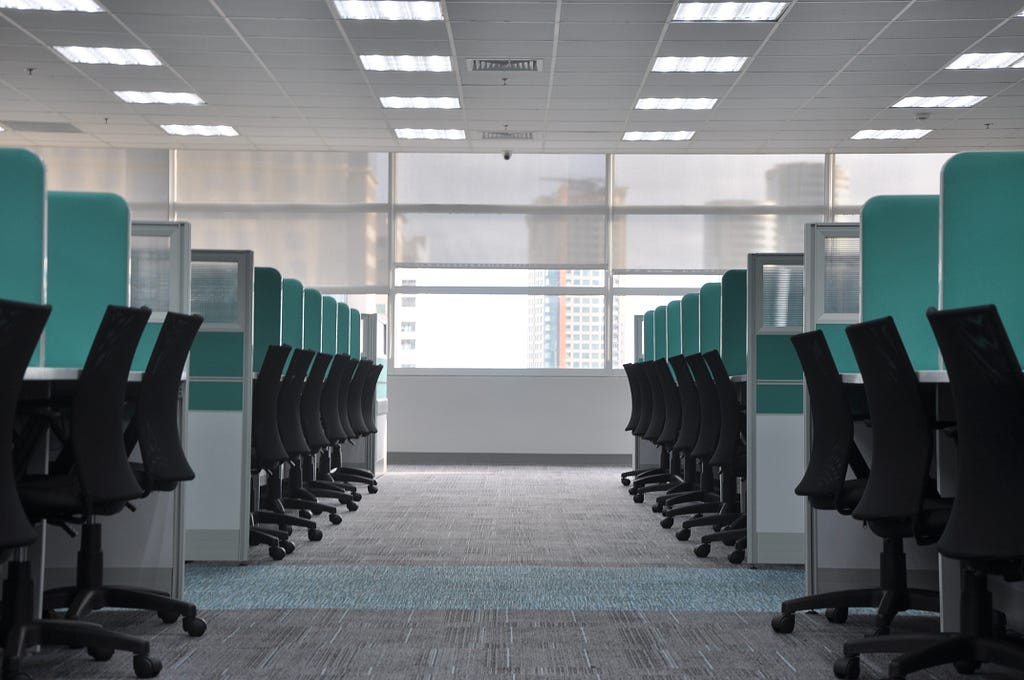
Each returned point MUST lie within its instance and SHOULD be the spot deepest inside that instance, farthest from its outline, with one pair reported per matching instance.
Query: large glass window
(858, 177)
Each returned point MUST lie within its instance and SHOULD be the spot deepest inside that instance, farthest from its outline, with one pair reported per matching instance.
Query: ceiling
(286, 74)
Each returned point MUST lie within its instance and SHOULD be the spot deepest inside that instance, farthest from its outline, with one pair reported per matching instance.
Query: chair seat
(59, 496)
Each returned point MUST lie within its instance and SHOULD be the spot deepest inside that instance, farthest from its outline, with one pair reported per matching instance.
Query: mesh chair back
(289, 403)
(369, 398)
(156, 415)
(710, 415)
(21, 324)
(348, 372)
(831, 422)
(267, 449)
(97, 415)
(670, 397)
(329, 401)
(900, 428)
(988, 398)
(689, 404)
(646, 402)
(657, 421)
(634, 396)
(730, 440)
(312, 425)
(355, 398)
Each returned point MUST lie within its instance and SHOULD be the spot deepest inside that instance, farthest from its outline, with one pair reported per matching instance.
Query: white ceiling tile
(288, 28)
(811, 11)
(275, 9)
(961, 9)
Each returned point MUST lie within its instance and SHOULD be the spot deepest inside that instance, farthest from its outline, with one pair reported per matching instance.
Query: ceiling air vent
(505, 135)
(506, 65)
(39, 126)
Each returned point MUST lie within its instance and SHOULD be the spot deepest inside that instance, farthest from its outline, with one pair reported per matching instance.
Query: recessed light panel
(943, 102)
(729, 11)
(657, 136)
(988, 60)
(406, 62)
(52, 5)
(389, 10)
(109, 55)
(201, 130)
(419, 102)
(136, 97)
(890, 134)
(414, 133)
(698, 64)
(675, 103)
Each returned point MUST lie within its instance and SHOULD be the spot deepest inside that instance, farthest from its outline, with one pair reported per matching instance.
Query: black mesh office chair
(317, 440)
(650, 429)
(982, 531)
(689, 427)
(334, 418)
(668, 401)
(154, 428)
(368, 399)
(97, 481)
(832, 454)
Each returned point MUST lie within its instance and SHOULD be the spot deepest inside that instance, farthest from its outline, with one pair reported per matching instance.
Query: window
(408, 344)
(408, 300)
(408, 327)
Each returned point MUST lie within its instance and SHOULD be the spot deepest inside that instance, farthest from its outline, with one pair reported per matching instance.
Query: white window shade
(215, 293)
(842, 275)
(782, 296)
(151, 272)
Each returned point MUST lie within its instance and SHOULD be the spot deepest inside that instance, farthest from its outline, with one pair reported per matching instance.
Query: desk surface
(50, 373)
(922, 376)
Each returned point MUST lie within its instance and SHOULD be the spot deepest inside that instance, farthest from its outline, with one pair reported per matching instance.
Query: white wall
(509, 414)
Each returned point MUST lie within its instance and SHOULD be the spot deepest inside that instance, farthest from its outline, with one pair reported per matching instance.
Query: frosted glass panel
(151, 272)
(842, 275)
(782, 296)
(215, 292)
(525, 179)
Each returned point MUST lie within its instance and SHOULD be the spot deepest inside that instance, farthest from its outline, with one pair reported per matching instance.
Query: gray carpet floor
(490, 572)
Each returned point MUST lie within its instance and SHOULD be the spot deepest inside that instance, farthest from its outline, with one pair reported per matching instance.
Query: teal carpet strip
(306, 586)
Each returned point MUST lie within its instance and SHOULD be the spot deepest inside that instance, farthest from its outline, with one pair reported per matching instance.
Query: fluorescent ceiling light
(729, 11)
(943, 102)
(389, 10)
(109, 55)
(406, 62)
(136, 97)
(201, 130)
(675, 103)
(52, 5)
(419, 102)
(698, 64)
(660, 136)
(980, 60)
(890, 134)
(413, 133)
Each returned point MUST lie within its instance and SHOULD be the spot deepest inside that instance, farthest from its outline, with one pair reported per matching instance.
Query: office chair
(982, 532)
(689, 427)
(154, 428)
(316, 438)
(338, 379)
(668, 398)
(99, 482)
(369, 398)
(651, 429)
(634, 414)
(832, 453)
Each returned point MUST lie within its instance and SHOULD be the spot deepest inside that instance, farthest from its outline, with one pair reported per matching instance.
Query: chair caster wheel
(277, 552)
(667, 522)
(352, 506)
(837, 614)
(168, 617)
(335, 518)
(193, 625)
(638, 498)
(356, 496)
(848, 667)
(371, 489)
(314, 534)
(625, 481)
(783, 623)
(729, 543)
(632, 490)
(966, 666)
(305, 514)
(146, 667)
(737, 556)
(702, 550)
(683, 534)
(287, 546)
(100, 653)
(657, 508)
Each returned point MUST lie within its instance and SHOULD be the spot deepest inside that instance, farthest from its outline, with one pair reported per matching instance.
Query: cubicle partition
(160, 263)
(220, 407)
(266, 313)
(355, 333)
(24, 232)
(292, 308)
(734, 321)
(832, 293)
(344, 321)
(329, 320)
(649, 335)
(691, 323)
(674, 328)
(711, 317)
(312, 319)
(660, 332)
(775, 436)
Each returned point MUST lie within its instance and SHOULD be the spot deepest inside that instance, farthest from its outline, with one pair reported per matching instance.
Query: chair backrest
(670, 397)
(710, 414)
(21, 324)
(267, 448)
(634, 396)
(689, 404)
(355, 398)
(657, 421)
(730, 448)
(97, 412)
(347, 369)
(156, 414)
(646, 402)
(900, 427)
(988, 398)
(369, 398)
(832, 443)
(289, 403)
(329, 416)
(312, 423)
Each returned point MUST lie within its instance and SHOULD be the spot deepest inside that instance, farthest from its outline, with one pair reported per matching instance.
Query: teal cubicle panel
(22, 226)
(691, 323)
(982, 235)
(291, 312)
(355, 332)
(711, 317)
(900, 269)
(734, 321)
(660, 332)
(674, 328)
(649, 335)
(344, 322)
(87, 269)
(329, 319)
(312, 319)
(266, 313)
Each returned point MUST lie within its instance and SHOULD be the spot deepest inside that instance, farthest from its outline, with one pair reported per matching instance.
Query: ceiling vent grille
(505, 135)
(39, 126)
(506, 65)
